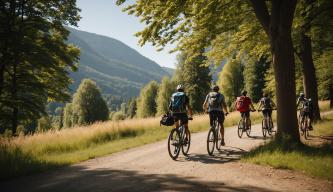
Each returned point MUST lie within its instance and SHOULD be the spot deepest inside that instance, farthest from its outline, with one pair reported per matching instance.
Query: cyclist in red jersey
(244, 105)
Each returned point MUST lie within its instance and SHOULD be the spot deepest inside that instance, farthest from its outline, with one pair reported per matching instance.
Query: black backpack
(167, 120)
(178, 102)
(266, 103)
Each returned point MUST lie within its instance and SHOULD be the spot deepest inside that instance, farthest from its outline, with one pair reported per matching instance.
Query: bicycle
(176, 141)
(267, 125)
(304, 124)
(214, 137)
(242, 126)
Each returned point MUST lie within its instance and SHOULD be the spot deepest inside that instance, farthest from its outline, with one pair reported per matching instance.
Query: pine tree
(196, 78)
(146, 103)
(254, 78)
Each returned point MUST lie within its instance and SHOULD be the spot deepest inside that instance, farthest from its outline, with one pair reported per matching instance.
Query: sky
(105, 18)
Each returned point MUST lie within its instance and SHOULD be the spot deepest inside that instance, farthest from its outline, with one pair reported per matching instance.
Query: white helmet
(180, 87)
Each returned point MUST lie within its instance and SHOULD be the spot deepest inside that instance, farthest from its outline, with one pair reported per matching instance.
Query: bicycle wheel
(218, 138)
(270, 127)
(210, 141)
(306, 128)
(264, 129)
(248, 131)
(302, 127)
(186, 146)
(174, 144)
(240, 128)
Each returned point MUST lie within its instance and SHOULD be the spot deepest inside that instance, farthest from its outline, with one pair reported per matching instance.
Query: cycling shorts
(245, 114)
(267, 112)
(216, 114)
(182, 117)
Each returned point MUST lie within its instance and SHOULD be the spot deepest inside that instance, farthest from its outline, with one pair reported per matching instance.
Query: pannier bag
(167, 120)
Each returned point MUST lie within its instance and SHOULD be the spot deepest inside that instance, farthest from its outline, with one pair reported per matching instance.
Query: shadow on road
(79, 178)
(225, 155)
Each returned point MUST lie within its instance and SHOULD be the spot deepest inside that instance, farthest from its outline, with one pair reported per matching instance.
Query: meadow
(27, 154)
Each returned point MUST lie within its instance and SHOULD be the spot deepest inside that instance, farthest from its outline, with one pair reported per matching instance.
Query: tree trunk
(309, 74)
(277, 26)
(331, 96)
(14, 97)
(2, 72)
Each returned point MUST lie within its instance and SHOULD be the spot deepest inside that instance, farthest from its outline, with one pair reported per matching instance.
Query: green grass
(314, 161)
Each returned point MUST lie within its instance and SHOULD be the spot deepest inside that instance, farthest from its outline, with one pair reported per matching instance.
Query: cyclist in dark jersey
(179, 113)
(215, 104)
(266, 104)
(306, 108)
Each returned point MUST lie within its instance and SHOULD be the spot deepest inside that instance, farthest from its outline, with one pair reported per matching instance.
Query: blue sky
(105, 18)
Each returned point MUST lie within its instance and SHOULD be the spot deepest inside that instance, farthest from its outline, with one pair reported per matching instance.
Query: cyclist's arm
(189, 109)
(224, 106)
(204, 105)
(260, 105)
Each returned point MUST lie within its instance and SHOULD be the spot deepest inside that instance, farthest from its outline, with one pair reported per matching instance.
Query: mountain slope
(117, 69)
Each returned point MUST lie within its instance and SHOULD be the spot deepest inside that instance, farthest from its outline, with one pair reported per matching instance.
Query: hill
(117, 68)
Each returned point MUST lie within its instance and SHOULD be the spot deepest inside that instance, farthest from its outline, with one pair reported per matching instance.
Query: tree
(231, 81)
(325, 76)
(35, 58)
(131, 112)
(195, 24)
(164, 93)
(146, 102)
(88, 106)
(254, 78)
(195, 77)
(311, 14)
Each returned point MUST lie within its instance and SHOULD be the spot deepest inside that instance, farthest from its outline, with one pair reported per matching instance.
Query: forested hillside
(116, 68)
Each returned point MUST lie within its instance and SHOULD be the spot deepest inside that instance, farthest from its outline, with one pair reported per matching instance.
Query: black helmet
(244, 92)
(215, 88)
(180, 87)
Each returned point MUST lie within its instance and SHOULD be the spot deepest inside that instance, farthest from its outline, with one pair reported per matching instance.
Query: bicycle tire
(210, 141)
(218, 138)
(306, 127)
(271, 126)
(248, 131)
(174, 140)
(186, 148)
(240, 128)
(264, 130)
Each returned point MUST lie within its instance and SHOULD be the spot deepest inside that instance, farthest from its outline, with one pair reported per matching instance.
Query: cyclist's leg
(310, 115)
(211, 118)
(184, 121)
(220, 119)
(247, 115)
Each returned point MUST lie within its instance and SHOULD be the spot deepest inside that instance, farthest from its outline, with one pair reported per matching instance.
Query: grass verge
(314, 161)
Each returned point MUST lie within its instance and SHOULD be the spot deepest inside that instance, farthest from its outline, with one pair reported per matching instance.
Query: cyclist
(306, 108)
(244, 105)
(179, 106)
(266, 105)
(215, 105)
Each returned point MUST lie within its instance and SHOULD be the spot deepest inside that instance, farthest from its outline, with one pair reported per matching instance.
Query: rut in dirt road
(149, 168)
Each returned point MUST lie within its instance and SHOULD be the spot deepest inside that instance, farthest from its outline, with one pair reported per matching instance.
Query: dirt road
(149, 168)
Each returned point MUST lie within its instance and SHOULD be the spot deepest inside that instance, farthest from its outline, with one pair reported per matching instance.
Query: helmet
(180, 87)
(265, 94)
(301, 94)
(244, 92)
(215, 88)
